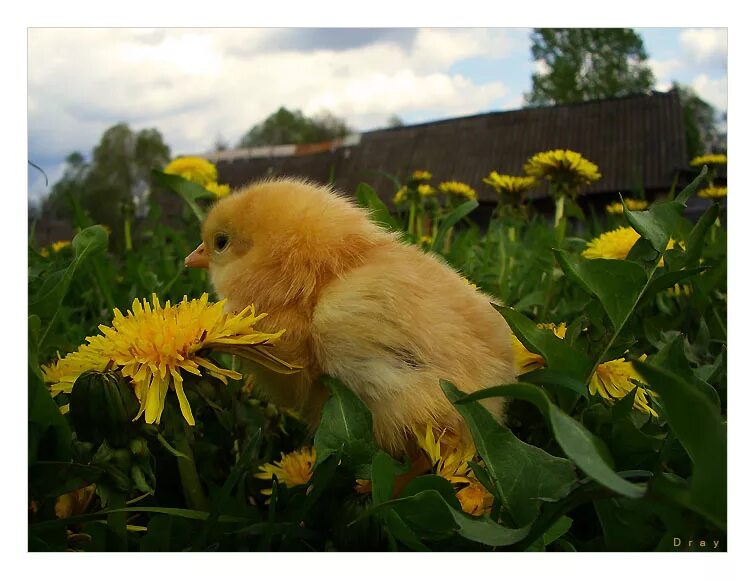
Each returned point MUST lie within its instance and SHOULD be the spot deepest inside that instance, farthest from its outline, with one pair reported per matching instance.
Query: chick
(384, 317)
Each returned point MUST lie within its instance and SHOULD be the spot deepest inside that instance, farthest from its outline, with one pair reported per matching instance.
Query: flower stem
(190, 480)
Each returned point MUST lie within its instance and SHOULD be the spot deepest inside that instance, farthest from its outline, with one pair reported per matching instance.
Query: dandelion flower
(709, 159)
(458, 189)
(614, 379)
(195, 169)
(425, 240)
(55, 247)
(421, 175)
(401, 196)
(562, 166)
(218, 190)
(632, 205)
(510, 184)
(449, 453)
(475, 499)
(153, 345)
(425, 190)
(713, 192)
(60, 245)
(614, 244)
(611, 379)
(291, 470)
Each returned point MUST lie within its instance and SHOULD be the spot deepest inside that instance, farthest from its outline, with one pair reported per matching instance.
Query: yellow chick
(384, 317)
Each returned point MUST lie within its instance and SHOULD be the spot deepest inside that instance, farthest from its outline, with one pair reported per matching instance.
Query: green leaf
(668, 279)
(578, 443)
(382, 473)
(696, 239)
(692, 187)
(698, 425)
(657, 223)
(522, 475)
(189, 191)
(430, 504)
(559, 356)
(47, 300)
(49, 434)
(379, 212)
(616, 283)
(448, 223)
(672, 358)
(347, 426)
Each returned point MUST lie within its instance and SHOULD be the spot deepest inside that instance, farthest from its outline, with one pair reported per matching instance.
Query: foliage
(284, 127)
(569, 471)
(700, 119)
(115, 184)
(587, 63)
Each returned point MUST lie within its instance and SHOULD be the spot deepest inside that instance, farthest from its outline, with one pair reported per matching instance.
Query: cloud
(714, 91)
(708, 46)
(195, 85)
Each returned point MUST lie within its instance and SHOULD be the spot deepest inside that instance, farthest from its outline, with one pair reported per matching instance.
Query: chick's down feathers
(384, 317)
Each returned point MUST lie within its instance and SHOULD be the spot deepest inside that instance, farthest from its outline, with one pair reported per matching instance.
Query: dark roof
(636, 141)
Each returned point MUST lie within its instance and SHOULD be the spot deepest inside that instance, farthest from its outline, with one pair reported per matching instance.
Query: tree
(587, 63)
(115, 182)
(394, 121)
(285, 127)
(58, 204)
(701, 132)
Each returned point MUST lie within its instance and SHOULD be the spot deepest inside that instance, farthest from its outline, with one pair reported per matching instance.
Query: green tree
(58, 203)
(285, 127)
(117, 179)
(700, 118)
(587, 63)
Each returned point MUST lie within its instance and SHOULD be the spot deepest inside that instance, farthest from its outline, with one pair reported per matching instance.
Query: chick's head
(277, 242)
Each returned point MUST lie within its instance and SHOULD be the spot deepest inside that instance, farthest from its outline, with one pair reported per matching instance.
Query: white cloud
(714, 91)
(194, 85)
(706, 45)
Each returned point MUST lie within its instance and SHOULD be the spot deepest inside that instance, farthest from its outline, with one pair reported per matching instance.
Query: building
(638, 142)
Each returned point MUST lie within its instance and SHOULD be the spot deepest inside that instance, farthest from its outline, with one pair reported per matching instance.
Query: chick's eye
(221, 242)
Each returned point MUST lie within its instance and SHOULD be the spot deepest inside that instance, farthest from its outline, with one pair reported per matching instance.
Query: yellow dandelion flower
(401, 196)
(562, 166)
(510, 184)
(525, 361)
(449, 453)
(709, 159)
(632, 205)
(291, 470)
(60, 245)
(425, 240)
(421, 175)
(458, 189)
(616, 244)
(613, 244)
(194, 169)
(475, 499)
(218, 190)
(713, 192)
(425, 190)
(153, 345)
(613, 380)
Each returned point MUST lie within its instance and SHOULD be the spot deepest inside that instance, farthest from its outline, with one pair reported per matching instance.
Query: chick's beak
(198, 258)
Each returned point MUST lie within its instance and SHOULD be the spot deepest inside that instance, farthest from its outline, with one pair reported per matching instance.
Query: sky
(200, 85)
